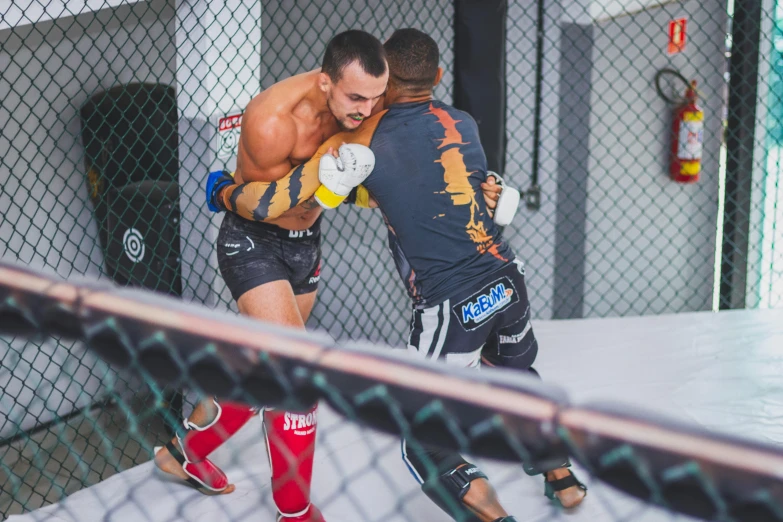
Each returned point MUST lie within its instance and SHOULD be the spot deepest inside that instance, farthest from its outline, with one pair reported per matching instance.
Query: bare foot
(569, 497)
(168, 464)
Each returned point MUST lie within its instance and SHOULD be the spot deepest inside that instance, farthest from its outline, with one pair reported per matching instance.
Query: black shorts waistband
(261, 227)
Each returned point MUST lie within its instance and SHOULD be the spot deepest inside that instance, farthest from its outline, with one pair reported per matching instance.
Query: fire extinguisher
(687, 138)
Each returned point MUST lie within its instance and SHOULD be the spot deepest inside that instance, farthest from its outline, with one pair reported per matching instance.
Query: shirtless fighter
(272, 269)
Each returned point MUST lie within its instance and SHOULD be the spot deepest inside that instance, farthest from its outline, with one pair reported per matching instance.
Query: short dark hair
(354, 46)
(413, 59)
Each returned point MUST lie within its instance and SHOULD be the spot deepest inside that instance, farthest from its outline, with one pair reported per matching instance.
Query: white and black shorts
(488, 321)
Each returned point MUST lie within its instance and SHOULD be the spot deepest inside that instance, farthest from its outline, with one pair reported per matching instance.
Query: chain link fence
(112, 116)
(672, 467)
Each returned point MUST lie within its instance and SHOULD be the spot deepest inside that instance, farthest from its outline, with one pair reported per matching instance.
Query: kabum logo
(476, 309)
(486, 304)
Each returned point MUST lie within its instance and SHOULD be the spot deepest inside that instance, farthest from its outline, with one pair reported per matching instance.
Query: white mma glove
(339, 176)
(508, 202)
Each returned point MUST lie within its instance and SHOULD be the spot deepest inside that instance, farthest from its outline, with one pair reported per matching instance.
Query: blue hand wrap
(216, 181)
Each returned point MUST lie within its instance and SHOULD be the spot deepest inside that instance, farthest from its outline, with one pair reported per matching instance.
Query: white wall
(18, 13)
(218, 73)
(650, 241)
(647, 243)
(531, 234)
(47, 220)
(601, 10)
(587, 11)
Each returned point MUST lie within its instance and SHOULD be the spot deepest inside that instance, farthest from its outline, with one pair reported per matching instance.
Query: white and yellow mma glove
(339, 176)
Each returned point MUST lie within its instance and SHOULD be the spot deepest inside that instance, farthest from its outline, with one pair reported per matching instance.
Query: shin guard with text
(199, 441)
(290, 441)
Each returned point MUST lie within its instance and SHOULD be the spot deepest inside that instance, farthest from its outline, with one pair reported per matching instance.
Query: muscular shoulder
(267, 139)
(269, 130)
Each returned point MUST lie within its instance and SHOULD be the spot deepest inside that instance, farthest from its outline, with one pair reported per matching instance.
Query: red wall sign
(676, 36)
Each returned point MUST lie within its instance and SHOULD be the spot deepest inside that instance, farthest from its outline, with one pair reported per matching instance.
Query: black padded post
(480, 72)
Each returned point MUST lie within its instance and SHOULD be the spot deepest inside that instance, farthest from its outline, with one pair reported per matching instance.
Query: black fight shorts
(251, 254)
(489, 320)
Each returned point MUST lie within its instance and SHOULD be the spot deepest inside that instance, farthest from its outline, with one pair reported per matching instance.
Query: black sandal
(551, 487)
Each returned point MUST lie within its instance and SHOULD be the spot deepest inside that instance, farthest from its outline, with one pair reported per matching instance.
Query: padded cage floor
(721, 371)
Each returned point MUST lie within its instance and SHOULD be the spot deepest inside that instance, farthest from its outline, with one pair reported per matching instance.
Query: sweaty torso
(286, 100)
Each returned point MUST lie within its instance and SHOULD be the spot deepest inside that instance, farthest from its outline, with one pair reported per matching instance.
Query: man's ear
(438, 76)
(324, 82)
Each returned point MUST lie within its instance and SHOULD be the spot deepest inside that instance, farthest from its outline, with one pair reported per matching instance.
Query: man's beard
(343, 127)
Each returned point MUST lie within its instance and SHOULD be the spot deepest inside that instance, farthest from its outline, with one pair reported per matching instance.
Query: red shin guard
(290, 439)
(200, 441)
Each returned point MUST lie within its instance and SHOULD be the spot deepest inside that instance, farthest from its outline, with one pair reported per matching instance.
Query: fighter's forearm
(264, 201)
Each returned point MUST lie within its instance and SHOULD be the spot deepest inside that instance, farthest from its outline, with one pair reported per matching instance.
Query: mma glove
(508, 201)
(340, 175)
(215, 183)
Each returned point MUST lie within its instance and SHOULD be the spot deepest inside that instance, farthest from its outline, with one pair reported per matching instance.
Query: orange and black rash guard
(429, 165)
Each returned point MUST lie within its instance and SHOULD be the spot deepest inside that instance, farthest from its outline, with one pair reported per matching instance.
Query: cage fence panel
(114, 112)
